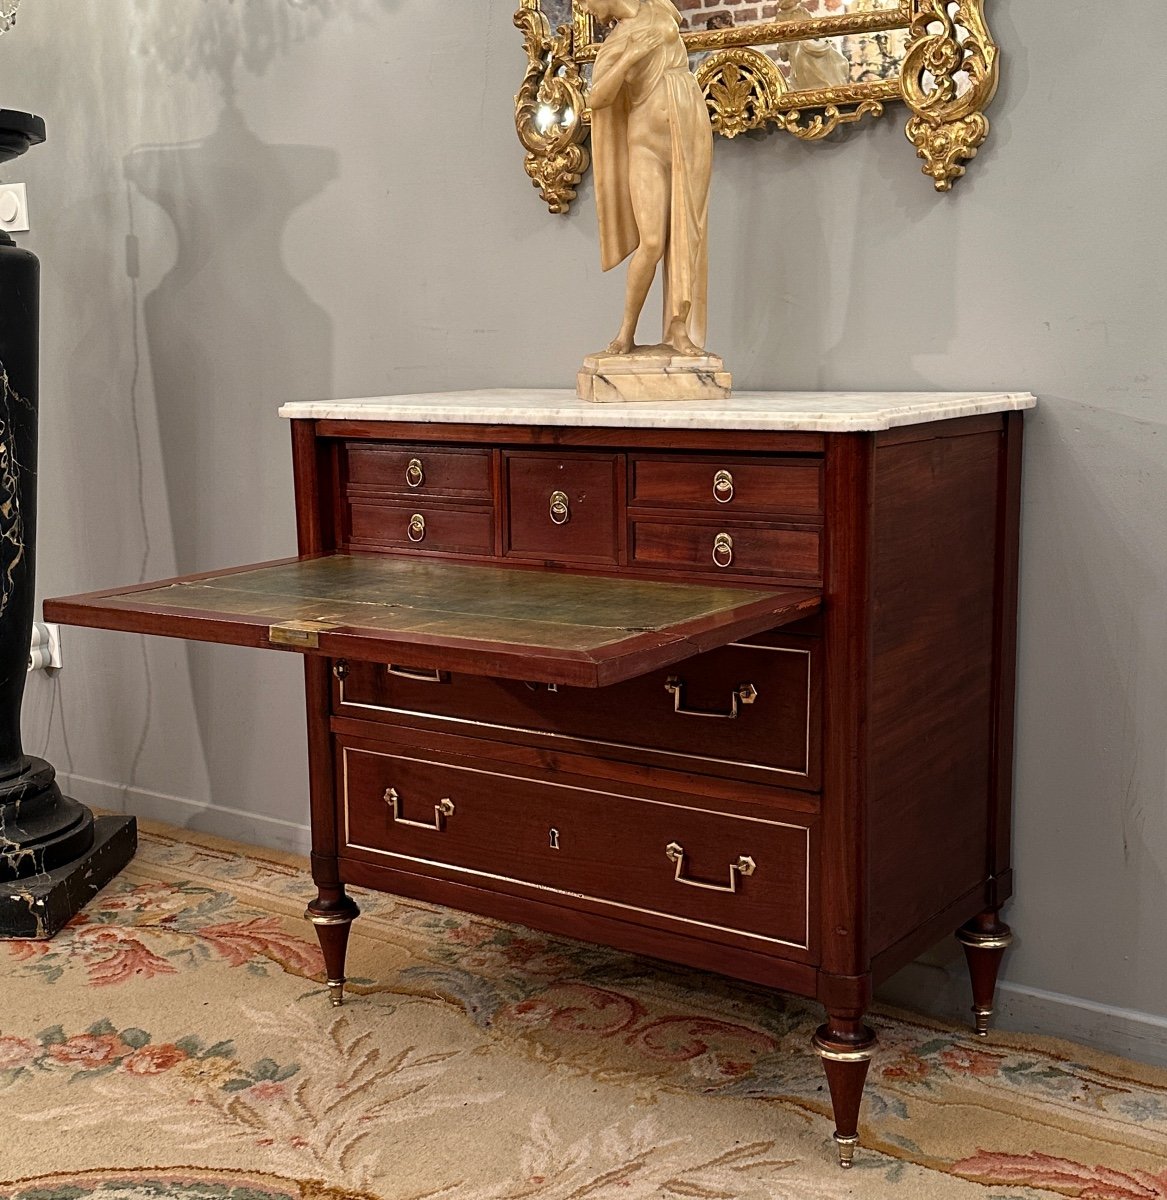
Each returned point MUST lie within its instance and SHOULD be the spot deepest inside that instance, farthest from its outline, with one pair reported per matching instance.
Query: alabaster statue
(652, 145)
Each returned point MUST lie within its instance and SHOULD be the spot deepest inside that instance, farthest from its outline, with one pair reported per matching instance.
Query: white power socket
(14, 207)
(45, 652)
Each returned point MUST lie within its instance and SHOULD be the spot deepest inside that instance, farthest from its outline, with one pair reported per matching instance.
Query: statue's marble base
(653, 373)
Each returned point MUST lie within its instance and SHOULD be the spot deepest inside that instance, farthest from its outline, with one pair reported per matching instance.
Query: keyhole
(554, 838)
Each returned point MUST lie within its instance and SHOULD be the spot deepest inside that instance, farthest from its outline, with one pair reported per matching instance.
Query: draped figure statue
(652, 145)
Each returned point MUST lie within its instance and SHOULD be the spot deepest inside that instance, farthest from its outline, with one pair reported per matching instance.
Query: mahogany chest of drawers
(738, 699)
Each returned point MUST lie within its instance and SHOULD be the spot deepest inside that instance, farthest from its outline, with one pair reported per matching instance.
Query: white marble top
(820, 412)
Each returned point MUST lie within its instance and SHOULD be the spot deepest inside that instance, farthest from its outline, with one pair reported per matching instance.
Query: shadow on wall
(229, 334)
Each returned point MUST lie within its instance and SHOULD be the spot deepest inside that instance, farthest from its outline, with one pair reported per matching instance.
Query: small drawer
(654, 859)
(423, 527)
(562, 508)
(737, 548)
(420, 470)
(746, 711)
(787, 487)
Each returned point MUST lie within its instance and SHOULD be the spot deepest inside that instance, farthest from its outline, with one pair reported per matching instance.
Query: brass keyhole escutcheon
(560, 510)
(553, 838)
(723, 550)
(415, 473)
(723, 487)
(417, 528)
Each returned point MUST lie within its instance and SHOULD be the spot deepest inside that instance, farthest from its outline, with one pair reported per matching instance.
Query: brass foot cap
(336, 992)
(982, 1017)
(846, 1147)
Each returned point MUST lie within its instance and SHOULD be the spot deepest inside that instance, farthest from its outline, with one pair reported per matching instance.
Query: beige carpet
(175, 1042)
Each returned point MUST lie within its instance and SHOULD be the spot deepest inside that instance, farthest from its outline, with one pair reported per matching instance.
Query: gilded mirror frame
(947, 79)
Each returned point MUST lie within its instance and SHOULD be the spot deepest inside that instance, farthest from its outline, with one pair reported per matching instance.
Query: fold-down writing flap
(539, 625)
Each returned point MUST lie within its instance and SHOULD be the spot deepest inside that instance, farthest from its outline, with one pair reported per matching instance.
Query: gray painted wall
(331, 202)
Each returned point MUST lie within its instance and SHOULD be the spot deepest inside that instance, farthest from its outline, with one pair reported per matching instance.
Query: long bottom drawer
(651, 857)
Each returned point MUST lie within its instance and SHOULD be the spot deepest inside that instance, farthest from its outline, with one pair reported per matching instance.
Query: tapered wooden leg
(333, 912)
(985, 940)
(846, 1047)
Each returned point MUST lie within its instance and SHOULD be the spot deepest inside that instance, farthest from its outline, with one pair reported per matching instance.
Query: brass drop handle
(560, 508)
(415, 473)
(723, 487)
(745, 865)
(443, 809)
(744, 693)
(723, 550)
(418, 676)
(416, 529)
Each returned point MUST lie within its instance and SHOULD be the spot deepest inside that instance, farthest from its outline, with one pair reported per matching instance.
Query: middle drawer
(746, 711)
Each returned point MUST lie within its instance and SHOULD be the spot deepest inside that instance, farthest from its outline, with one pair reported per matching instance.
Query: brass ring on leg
(832, 1052)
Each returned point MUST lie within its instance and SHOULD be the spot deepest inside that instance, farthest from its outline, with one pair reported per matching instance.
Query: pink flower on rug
(16, 1052)
(153, 1060)
(89, 1050)
(681, 1039)
(121, 956)
(971, 1062)
(240, 942)
(909, 1067)
(470, 935)
(1062, 1175)
(266, 1090)
(578, 1008)
(27, 950)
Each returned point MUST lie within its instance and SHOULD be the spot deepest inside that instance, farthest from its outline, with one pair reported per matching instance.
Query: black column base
(38, 907)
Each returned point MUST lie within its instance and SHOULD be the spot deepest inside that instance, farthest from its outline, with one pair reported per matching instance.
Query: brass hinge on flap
(298, 635)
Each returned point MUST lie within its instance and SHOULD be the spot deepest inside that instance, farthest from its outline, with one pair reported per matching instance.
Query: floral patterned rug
(176, 1041)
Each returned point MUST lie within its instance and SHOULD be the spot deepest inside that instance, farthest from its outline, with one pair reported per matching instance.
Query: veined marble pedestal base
(653, 373)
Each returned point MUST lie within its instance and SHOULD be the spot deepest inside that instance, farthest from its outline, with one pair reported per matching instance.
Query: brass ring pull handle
(723, 487)
(418, 676)
(744, 693)
(415, 473)
(416, 529)
(443, 809)
(744, 866)
(723, 550)
(560, 511)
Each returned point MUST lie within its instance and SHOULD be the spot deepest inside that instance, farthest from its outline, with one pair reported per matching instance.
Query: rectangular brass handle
(745, 865)
(418, 676)
(744, 693)
(443, 809)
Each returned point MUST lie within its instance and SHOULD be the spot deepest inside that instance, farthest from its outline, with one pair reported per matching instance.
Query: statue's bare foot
(621, 344)
(681, 342)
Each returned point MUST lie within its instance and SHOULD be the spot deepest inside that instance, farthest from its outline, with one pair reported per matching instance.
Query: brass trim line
(984, 941)
(831, 1054)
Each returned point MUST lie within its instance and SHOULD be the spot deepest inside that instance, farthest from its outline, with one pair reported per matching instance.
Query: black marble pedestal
(53, 853)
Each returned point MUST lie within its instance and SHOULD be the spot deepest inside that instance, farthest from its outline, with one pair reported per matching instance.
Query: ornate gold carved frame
(947, 79)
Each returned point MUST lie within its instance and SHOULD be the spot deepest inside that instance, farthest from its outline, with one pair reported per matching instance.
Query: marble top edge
(825, 412)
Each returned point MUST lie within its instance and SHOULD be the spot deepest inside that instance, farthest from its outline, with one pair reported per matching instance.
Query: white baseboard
(215, 819)
(941, 989)
(936, 985)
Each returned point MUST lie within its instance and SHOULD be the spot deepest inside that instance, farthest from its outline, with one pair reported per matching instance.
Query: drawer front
(730, 548)
(661, 861)
(790, 488)
(683, 717)
(420, 470)
(562, 508)
(421, 527)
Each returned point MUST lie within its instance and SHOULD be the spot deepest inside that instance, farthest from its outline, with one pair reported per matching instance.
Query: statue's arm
(616, 57)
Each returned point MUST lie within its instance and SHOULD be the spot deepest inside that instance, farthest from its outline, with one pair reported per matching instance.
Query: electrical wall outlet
(14, 207)
(45, 651)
